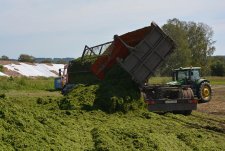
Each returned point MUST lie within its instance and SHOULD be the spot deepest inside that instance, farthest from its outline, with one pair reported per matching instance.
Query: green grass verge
(163, 80)
(24, 83)
(1, 68)
(216, 80)
(159, 80)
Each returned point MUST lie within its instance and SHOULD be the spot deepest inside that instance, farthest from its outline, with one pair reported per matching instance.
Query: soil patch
(217, 104)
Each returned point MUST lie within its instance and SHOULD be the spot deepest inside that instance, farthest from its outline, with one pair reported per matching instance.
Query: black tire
(186, 112)
(204, 92)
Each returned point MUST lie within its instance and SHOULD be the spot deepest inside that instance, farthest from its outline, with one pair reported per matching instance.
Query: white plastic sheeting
(2, 74)
(35, 69)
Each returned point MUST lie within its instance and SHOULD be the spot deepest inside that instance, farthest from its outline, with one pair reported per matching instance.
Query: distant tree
(61, 61)
(182, 54)
(194, 44)
(218, 68)
(26, 58)
(4, 57)
(47, 61)
(201, 45)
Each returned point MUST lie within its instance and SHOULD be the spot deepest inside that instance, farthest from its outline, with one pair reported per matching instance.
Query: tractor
(190, 76)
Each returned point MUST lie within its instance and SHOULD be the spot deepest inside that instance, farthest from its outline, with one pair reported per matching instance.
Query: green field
(31, 118)
(163, 80)
(216, 80)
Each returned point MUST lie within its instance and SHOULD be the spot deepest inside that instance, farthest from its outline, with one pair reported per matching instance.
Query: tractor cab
(186, 76)
(190, 77)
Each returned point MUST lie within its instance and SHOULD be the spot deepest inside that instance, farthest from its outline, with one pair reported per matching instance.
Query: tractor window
(181, 75)
(195, 75)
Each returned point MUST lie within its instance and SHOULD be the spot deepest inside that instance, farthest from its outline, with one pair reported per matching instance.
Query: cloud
(33, 16)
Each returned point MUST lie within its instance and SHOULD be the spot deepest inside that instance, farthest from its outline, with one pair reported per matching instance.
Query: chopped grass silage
(117, 92)
(79, 71)
(109, 95)
(32, 120)
(36, 123)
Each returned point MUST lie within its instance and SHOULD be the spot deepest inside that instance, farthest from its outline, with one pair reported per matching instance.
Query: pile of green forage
(117, 92)
(79, 71)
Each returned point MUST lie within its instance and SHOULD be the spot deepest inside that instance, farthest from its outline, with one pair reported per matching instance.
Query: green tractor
(190, 76)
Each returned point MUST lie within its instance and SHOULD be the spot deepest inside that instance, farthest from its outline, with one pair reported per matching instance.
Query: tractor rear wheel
(205, 92)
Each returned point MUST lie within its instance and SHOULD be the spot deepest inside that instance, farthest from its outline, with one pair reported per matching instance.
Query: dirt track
(217, 105)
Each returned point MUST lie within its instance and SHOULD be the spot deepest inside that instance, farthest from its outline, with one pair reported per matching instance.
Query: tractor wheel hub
(205, 92)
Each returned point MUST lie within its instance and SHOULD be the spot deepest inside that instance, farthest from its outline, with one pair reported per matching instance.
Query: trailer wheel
(205, 92)
(186, 112)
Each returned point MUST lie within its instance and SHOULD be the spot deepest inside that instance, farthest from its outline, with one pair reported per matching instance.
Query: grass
(159, 80)
(216, 80)
(31, 119)
(1, 68)
(24, 83)
(162, 80)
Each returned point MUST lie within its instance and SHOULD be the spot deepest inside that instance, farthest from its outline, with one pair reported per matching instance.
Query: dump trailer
(140, 53)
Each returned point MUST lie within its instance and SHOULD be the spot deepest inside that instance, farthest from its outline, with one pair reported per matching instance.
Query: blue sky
(61, 28)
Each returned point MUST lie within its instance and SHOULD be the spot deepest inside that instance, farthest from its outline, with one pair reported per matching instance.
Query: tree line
(31, 59)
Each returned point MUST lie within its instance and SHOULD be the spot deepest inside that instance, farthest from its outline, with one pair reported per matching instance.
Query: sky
(61, 28)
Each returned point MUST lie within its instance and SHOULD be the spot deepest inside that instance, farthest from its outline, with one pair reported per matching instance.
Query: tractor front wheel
(205, 92)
